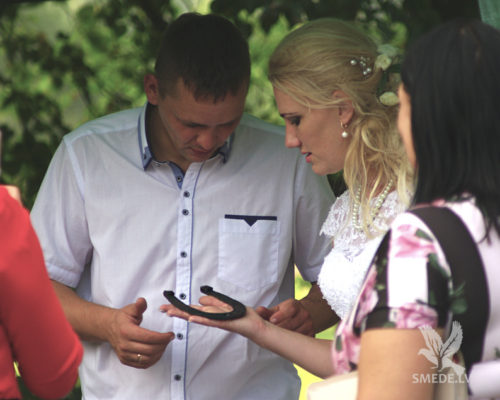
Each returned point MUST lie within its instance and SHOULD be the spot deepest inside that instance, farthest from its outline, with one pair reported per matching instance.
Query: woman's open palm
(248, 325)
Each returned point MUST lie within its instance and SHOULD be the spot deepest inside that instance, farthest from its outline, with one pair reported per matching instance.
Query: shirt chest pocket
(248, 250)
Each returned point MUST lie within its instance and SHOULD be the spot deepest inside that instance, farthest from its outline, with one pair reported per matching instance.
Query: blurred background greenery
(64, 62)
(67, 61)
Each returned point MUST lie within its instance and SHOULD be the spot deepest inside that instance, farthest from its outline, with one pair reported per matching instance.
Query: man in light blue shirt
(183, 192)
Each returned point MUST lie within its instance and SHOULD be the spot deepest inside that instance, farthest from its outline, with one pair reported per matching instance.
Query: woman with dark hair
(450, 126)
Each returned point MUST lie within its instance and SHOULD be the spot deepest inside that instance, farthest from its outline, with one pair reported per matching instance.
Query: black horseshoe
(239, 310)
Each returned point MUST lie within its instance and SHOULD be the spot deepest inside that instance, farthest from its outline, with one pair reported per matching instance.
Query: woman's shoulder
(467, 211)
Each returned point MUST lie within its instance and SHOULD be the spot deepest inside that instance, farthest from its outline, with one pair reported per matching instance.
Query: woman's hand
(249, 325)
(310, 353)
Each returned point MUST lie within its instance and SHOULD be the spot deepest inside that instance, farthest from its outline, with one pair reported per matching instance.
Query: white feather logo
(441, 354)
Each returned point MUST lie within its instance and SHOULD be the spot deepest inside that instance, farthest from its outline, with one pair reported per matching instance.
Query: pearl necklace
(375, 210)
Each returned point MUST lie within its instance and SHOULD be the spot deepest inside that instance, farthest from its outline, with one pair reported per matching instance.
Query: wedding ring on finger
(139, 358)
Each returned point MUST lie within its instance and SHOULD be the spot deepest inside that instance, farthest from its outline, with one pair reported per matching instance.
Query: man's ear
(152, 89)
(346, 110)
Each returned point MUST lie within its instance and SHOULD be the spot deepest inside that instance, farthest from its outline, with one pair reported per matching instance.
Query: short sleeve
(412, 284)
(58, 217)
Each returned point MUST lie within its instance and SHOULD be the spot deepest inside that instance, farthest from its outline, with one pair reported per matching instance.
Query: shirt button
(177, 377)
(182, 296)
(184, 254)
(185, 212)
(187, 194)
(179, 178)
(180, 336)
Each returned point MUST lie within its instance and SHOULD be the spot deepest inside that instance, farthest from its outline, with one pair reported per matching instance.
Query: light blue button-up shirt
(117, 226)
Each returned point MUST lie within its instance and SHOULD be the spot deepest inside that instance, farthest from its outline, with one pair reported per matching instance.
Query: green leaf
(338, 343)
(421, 234)
(433, 262)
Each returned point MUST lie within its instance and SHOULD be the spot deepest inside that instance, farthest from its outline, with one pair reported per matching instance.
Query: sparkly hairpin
(363, 62)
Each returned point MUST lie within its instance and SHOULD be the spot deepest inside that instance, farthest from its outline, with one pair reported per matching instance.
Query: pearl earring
(345, 134)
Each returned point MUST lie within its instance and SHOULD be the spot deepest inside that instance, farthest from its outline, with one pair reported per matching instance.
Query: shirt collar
(147, 156)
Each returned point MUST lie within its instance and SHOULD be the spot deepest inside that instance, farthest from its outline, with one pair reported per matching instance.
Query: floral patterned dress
(406, 287)
(409, 285)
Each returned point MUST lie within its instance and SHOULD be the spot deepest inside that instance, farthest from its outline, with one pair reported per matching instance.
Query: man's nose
(207, 139)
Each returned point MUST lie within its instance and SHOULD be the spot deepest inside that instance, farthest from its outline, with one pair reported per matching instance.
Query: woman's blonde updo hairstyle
(310, 64)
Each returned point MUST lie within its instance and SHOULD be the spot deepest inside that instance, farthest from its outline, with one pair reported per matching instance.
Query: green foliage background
(67, 61)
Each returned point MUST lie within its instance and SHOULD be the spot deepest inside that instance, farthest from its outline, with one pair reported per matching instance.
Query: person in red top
(33, 329)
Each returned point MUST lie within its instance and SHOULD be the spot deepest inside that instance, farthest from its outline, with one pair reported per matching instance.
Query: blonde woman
(326, 76)
(325, 73)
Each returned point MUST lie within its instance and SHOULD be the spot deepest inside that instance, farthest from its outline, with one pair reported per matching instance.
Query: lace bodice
(344, 268)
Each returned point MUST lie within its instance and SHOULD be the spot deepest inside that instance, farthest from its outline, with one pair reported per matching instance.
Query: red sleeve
(42, 341)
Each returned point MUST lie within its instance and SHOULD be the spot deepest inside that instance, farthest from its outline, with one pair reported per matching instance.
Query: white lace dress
(344, 268)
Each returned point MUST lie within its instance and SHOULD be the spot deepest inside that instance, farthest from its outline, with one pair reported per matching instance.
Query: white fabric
(117, 231)
(490, 254)
(345, 266)
(484, 380)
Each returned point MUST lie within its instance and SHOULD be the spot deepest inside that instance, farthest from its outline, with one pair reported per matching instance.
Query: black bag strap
(466, 269)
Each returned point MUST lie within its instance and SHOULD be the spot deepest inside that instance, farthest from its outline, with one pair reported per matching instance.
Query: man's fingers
(297, 324)
(140, 360)
(140, 306)
(139, 340)
(290, 314)
(285, 322)
(281, 314)
(145, 336)
(276, 314)
(129, 339)
(264, 312)
(305, 329)
(135, 310)
(146, 349)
